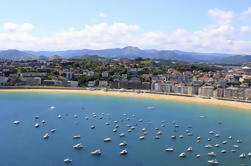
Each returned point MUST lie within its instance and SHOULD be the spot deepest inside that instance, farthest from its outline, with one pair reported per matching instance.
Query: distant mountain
(131, 52)
(237, 59)
(16, 55)
(90, 57)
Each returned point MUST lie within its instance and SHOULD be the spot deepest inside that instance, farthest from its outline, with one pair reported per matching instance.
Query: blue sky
(156, 20)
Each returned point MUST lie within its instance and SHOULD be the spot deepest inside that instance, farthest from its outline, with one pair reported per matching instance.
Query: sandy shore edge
(197, 100)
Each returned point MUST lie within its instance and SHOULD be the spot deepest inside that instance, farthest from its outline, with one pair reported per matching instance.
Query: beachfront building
(206, 91)
(30, 80)
(103, 84)
(91, 83)
(235, 93)
(192, 90)
(52, 82)
(70, 83)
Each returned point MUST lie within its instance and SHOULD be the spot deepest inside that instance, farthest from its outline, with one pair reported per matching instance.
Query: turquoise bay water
(23, 144)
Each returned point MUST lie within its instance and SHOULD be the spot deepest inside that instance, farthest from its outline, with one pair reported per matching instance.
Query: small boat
(43, 121)
(198, 138)
(190, 134)
(187, 131)
(36, 125)
(159, 133)
(169, 149)
(217, 145)
(208, 146)
(198, 156)
(52, 107)
(86, 118)
(115, 121)
(189, 149)
(145, 133)
(46, 136)
(123, 144)
(150, 107)
(132, 127)
(190, 126)
(211, 132)
(249, 154)
(242, 155)
(140, 120)
(230, 137)
(239, 141)
(78, 146)
(223, 151)
(217, 135)
(157, 137)
(129, 130)
(96, 152)
(219, 122)
(107, 123)
(162, 125)
(116, 126)
(67, 160)
(107, 139)
(156, 128)
(92, 127)
(143, 129)
(36, 117)
(173, 137)
(202, 116)
(233, 150)
(127, 119)
(16, 122)
(211, 154)
(236, 146)
(224, 142)
(141, 137)
(198, 141)
(213, 162)
(182, 155)
(114, 130)
(176, 126)
(123, 152)
(75, 116)
(59, 116)
(53, 130)
(76, 137)
(122, 134)
(181, 136)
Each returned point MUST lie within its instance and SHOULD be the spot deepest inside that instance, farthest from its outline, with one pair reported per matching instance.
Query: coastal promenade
(132, 94)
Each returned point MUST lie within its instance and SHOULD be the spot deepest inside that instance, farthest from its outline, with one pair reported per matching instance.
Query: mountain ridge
(129, 52)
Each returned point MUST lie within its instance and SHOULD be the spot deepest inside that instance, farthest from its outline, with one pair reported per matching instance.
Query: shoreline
(195, 100)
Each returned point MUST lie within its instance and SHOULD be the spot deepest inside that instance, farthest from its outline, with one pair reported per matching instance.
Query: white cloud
(245, 29)
(220, 16)
(102, 15)
(222, 35)
(11, 27)
(246, 14)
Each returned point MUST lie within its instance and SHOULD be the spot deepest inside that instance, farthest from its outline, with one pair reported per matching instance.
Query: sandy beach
(197, 100)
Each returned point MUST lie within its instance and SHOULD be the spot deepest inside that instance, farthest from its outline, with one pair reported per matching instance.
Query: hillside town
(139, 74)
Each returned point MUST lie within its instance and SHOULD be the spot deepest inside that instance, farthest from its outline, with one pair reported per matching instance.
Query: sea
(23, 144)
